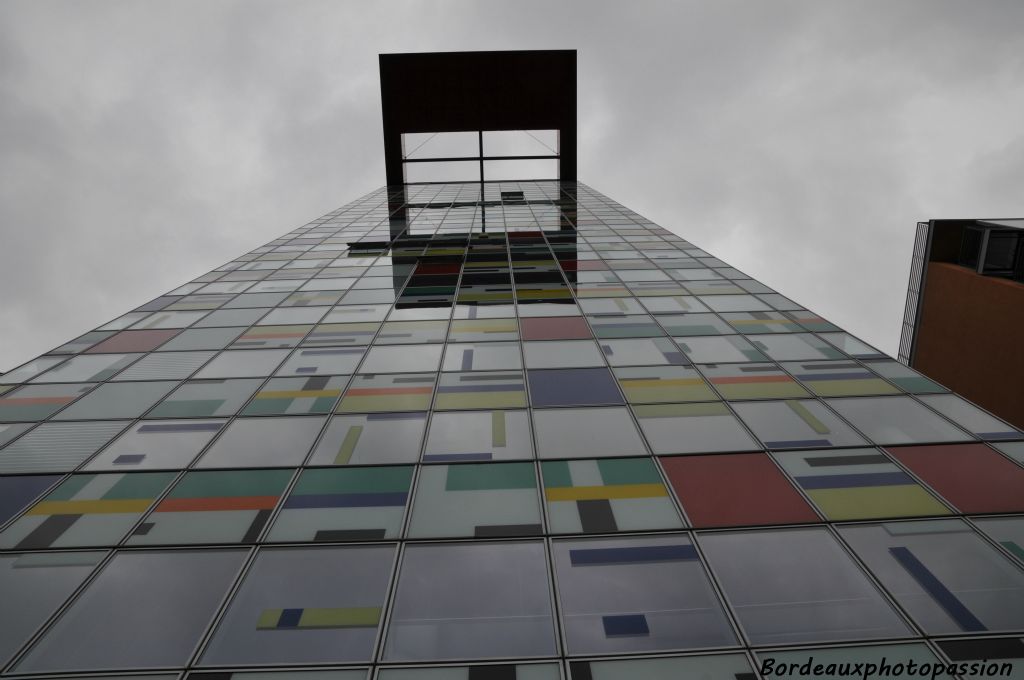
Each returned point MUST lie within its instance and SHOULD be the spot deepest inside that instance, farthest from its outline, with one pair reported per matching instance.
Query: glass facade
(459, 431)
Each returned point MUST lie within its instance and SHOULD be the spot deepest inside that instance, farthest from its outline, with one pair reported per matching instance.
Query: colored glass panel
(970, 476)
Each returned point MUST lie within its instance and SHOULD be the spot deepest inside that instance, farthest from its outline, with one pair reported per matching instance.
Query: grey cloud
(142, 144)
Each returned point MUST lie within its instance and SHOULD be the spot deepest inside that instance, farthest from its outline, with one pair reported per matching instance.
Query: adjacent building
(495, 429)
(964, 318)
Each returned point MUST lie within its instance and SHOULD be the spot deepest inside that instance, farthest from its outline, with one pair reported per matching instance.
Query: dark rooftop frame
(478, 91)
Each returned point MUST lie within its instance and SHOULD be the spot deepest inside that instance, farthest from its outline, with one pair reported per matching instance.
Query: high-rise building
(496, 430)
(964, 318)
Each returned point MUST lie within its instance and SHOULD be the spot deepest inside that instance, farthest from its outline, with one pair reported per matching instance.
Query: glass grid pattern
(496, 436)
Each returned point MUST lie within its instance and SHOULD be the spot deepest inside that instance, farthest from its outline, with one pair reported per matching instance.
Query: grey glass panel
(29, 370)
(263, 442)
(945, 575)
(199, 398)
(852, 346)
(233, 317)
(87, 368)
(478, 435)
(356, 313)
(57, 446)
(201, 338)
(482, 356)
(694, 324)
(896, 420)
(562, 354)
(292, 315)
(797, 585)
(837, 662)
(719, 349)
(673, 303)
(305, 605)
(402, 358)
(1006, 531)
(970, 417)
(796, 424)
(734, 303)
(795, 347)
(156, 444)
(321, 361)
(503, 671)
(165, 366)
(693, 428)
(1014, 450)
(702, 667)
(17, 492)
(636, 594)
(485, 500)
(144, 609)
(173, 319)
(243, 363)
(117, 400)
(38, 402)
(904, 377)
(609, 432)
(373, 439)
(32, 586)
(85, 511)
(642, 352)
(611, 307)
(471, 601)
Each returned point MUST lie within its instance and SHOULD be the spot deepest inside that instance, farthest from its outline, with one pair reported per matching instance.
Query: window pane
(495, 389)
(643, 352)
(719, 349)
(150, 444)
(710, 667)
(297, 396)
(946, 576)
(533, 671)
(605, 496)
(663, 384)
(325, 361)
(1006, 531)
(17, 492)
(86, 510)
(482, 356)
(345, 504)
(56, 447)
(32, 586)
(214, 507)
(849, 484)
(305, 605)
(795, 424)
(38, 402)
(752, 381)
(102, 630)
(693, 428)
(199, 398)
(381, 393)
(372, 439)
(88, 367)
(797, 585)
(971, 476)
(896, 420)
(243, 363)
(483, 500)
(734, 490)
(636, 594)
(263, 442)
(586, 433)
(970, 417)
(794, 347)
(165, 366)
(471, 601)
(478, 435)
(839, 378)
(117, 400)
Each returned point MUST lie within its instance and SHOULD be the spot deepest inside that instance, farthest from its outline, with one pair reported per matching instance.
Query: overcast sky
(143, 144)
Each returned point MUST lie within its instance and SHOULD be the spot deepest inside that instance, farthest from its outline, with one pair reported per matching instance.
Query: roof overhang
(478, 91)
